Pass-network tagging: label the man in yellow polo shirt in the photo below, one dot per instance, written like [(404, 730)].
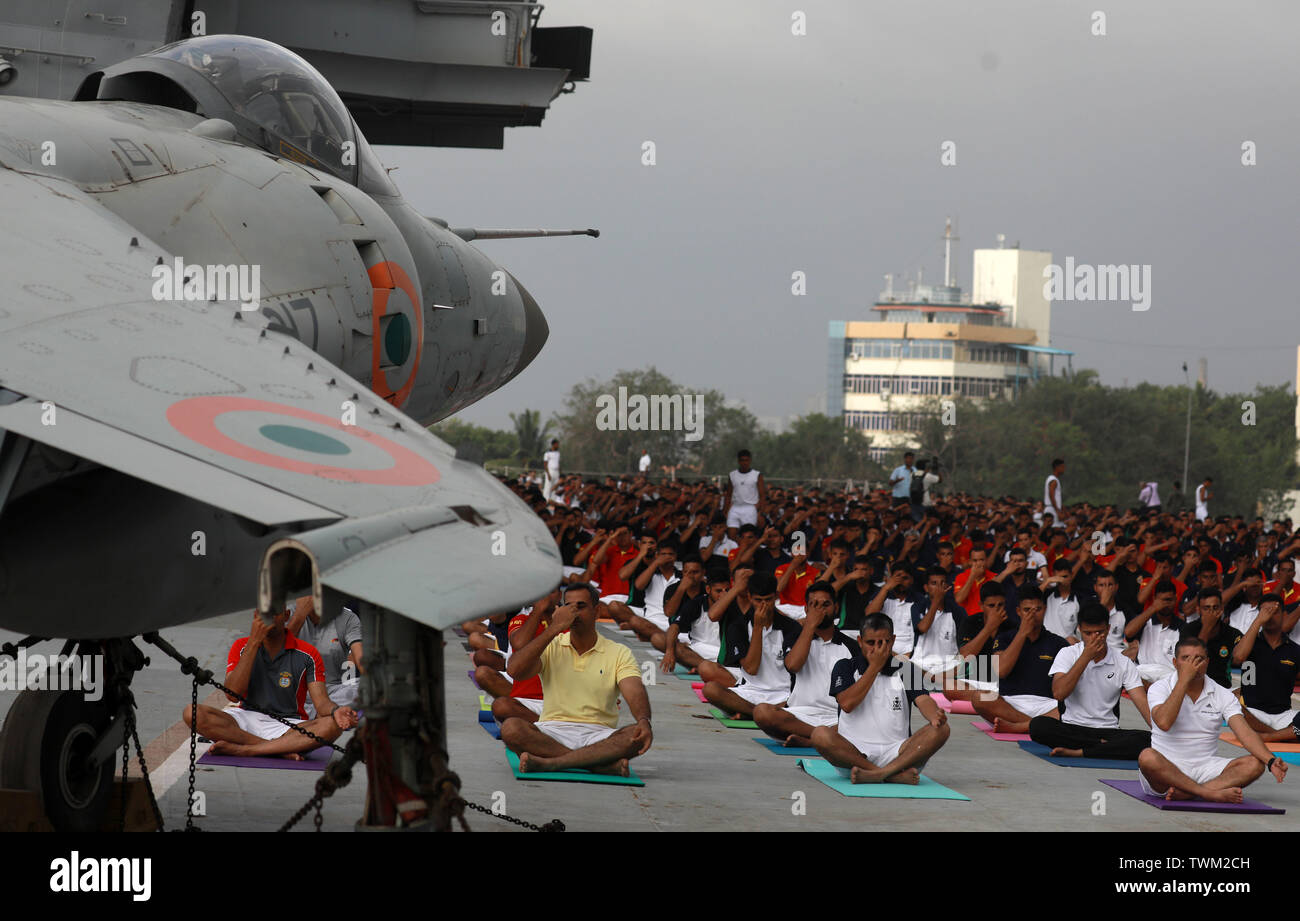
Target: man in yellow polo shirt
[(582, 675)]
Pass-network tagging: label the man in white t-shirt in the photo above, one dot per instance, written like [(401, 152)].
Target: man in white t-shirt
[(809, 662), (1053, 505), (1157, 631), (763, 677), (1203, 497), (1186, 713), (1062, 615), (1149, 495), (1088, 678), (551, 460), (644, 463), (900, 479), (743, 491)]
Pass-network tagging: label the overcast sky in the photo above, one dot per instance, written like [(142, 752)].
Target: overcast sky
[(821, 153)]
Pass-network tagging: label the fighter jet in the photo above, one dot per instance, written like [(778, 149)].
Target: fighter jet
[(223, 333)]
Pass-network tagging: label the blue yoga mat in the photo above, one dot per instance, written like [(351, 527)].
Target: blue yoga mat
[(1042, 751), (493, 729), (926, 789), (777, 748), (577, 775)]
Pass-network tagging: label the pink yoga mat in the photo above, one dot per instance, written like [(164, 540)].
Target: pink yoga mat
[(960, 707), (699, 692), (987, 729)]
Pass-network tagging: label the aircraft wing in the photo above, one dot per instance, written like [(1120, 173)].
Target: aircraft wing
[(202, 399)]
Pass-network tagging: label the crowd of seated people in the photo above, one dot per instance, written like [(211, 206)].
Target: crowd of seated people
[(828, 615)]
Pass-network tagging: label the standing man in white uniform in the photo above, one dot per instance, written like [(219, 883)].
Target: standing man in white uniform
[(1203, 497), (744, 490), (551, 460), (643, 465), (1052, 504)]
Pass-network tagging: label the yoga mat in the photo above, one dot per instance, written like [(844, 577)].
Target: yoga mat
[(731, 724), (987, 729), (1290, 758), (682, 672), (471, 679), (314, 760), (575, 776), (699, 692), (960, 707), (1275, 747), (1134, 789), (777, 748), (1042, 751), (824, 771), (493, 729)]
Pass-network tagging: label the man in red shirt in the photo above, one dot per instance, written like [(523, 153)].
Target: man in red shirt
[(792, 581), (525, 697), (966, 587), (617, 550), (1284, 584)]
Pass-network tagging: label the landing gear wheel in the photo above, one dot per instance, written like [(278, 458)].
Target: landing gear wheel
[(44, 747)]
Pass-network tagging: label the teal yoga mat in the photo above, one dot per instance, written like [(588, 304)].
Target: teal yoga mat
[(574, 776), (926, 789), (731, 724), (1042, 751), (777, 748), (681, 672)]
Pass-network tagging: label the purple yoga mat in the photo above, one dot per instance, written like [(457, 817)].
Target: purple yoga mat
[(315, 760), (1134, 789)]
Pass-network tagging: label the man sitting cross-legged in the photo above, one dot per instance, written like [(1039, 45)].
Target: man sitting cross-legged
[(1186, 711), (692, 638), (873, 740), (1088, 677), (582, 675), (1275, 659), (810, 663), (764, 679), (732, 610), (275, 672), (1024, 657), (524, 699)]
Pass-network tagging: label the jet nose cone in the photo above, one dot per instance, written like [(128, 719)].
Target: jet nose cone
[(536, 329)]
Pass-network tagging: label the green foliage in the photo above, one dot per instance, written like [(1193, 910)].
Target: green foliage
[(1112, 438), (476, 443), (530, 435)]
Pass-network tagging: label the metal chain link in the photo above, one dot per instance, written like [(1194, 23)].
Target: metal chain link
[(194, 741), (144, 769), (121, 818), (553, 825)]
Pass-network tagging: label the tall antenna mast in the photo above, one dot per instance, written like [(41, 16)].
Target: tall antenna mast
[(948, 238)]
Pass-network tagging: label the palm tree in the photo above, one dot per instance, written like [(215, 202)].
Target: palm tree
[(531, 433)]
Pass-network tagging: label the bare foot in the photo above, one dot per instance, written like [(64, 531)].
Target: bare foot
[(528, 763), (794, 741), (1226, 795), (739, 716), (862, 775), (618, 767), (222, 748), (1001, 725), (908, 776), (1059, 752), (291, 756), (1173, 793)]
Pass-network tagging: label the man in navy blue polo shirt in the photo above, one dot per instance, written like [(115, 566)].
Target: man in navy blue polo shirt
[(1024, 657), (873, 740), (275, 672)]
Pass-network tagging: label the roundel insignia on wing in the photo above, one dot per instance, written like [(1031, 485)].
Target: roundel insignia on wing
[(290, 438)]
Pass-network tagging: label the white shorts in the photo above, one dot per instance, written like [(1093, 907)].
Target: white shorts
[(1274, 720), (532, 703), (736, 672), (573, 570), (704, 650), (742, 514), (879, 755), (814, 716), (1155, 671), (574, 735), (345, 695), (1200, 772), (1031, 705), (792, 611), (608, 598), (259, 724), (760, 695), (658, 618)]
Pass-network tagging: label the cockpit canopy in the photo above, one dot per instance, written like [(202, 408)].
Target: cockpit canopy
[(275, 99)]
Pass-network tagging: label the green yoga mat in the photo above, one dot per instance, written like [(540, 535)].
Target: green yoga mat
[(577, 775), (824, 771), (731, 724)]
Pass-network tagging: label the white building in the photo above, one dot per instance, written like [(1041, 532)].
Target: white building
[(934, 342)]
